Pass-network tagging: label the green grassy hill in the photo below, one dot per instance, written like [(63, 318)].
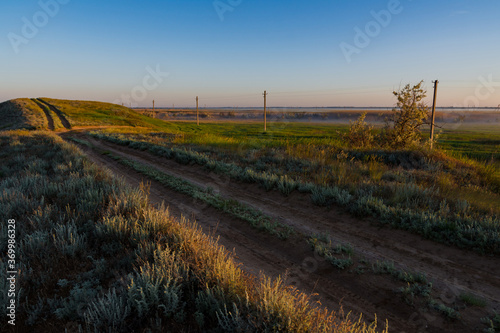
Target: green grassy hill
[(46, 113), (21, 113)]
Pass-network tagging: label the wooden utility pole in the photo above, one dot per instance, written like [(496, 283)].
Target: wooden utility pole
[(197, 115), (433, 111), (265, 115), (153, 108)]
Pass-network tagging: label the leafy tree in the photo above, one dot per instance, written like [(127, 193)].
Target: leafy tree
[(407, 118)]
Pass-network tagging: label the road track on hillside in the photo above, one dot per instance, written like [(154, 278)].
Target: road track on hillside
[(57, 112), (451, 270), (50, 120)]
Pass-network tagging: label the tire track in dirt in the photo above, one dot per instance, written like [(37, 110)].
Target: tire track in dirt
[(408, 250), (259, 252), (449, 268), (47, 114), (58, 112)]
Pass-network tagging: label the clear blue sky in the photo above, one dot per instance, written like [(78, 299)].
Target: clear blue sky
[(296, 50)]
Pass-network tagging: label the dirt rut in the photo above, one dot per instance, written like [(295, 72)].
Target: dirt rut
[(452, 271), (58, 112), (47, 114)]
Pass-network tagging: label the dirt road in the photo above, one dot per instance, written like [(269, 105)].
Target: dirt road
[(58, 113), (50, 121), (453, 272)]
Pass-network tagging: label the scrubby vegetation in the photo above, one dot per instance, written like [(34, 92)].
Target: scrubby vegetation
[(360, 133), (453, 201), (493, 323), (235, 208), (92, 255), (403, 128), (339, 255)]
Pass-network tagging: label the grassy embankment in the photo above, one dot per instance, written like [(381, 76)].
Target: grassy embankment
[(22, 113), (92, 254), (87, 113)]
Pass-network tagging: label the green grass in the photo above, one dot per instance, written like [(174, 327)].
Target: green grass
[(21, 113), (24, 113), (88, 113), (338, 256), (478, 142), (472, 300)]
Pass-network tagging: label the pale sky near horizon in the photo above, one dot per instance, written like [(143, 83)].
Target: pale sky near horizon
[(304, 53)]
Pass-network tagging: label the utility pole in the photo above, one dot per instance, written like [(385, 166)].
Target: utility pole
[(265, 116), (433, 111), (197, 115), (153, 108)]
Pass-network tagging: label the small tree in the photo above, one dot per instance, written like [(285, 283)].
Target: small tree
[(407, 118), (360, 133)]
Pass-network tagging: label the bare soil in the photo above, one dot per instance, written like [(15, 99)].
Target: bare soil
[(47, 114), (452, 271)]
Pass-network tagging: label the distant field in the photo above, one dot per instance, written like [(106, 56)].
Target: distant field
[(480, 142), (477, 141), (375, 116), (464, 133)]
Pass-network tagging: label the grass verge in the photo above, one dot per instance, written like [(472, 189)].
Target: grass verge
[(233, 207)]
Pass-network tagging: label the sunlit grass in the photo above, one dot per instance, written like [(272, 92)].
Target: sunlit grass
[(94, 256)]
